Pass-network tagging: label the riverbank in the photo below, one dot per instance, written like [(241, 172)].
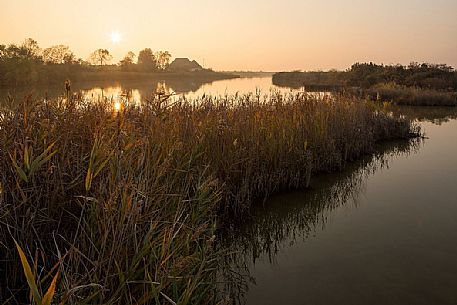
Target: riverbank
[(312, 81), (126, 199), (57, 74), (204, 75), (371, 226), (146, 83), (415, 85), (250, 74), (293, 217)]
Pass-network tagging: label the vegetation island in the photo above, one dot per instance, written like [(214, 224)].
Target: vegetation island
[(416, 84)]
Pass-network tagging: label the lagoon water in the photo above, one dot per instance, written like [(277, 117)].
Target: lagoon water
[(144, 89), (384, 231)]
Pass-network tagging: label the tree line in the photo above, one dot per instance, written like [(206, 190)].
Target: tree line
[(421, 75), (367, 75), (28, 63)]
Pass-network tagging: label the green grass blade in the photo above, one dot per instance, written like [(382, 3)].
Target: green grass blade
[(19, 170)]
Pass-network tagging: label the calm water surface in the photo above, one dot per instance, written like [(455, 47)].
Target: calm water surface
[(138, 90), (382, 232)]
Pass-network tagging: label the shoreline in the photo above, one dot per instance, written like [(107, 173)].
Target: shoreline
[(51, 77)]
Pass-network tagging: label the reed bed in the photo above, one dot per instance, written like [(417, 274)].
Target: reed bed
[(412, 96), (124, 201)]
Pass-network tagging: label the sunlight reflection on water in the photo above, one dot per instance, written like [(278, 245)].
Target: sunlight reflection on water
[(136, 91)]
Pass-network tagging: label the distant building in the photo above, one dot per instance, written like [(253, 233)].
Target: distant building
[(184, 65)]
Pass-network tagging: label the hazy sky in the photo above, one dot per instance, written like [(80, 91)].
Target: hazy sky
[(245, 34)]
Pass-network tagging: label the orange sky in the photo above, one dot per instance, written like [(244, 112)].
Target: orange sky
[(245, 34)]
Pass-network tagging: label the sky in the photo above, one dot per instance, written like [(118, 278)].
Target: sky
[(254, 35)]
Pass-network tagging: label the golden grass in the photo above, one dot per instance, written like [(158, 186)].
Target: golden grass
[(412, 96), (128, 202)]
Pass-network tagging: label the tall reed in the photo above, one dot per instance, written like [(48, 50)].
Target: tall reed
[(413, 96), (126, 200)]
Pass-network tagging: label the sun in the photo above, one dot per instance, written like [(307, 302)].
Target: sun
[(115, 37)]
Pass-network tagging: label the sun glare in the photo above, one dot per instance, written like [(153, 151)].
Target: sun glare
[(117, 106), (115, 37)]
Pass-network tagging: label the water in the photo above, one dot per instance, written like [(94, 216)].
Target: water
[(138, 90), (382, 232)]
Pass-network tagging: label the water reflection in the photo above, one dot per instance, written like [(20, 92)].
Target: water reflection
[(436, 115), (135, 91), (298, 216)]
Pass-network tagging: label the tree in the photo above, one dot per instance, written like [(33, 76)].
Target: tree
[(163, 59), (12, 51), (19, 64), (146, 60), (82, 62), (127, 62), (2, 51), (59, 54), (69, 58), (100, 56), (30, 49)]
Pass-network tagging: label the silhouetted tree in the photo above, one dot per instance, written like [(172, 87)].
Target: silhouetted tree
[(422, 75), (163, 59), (127, 62), (146, 60), (59, 54), (100, 56), (30, 49), (2, 50)]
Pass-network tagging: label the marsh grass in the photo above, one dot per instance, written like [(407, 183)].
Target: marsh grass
[(402, 95), (126, 201)]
